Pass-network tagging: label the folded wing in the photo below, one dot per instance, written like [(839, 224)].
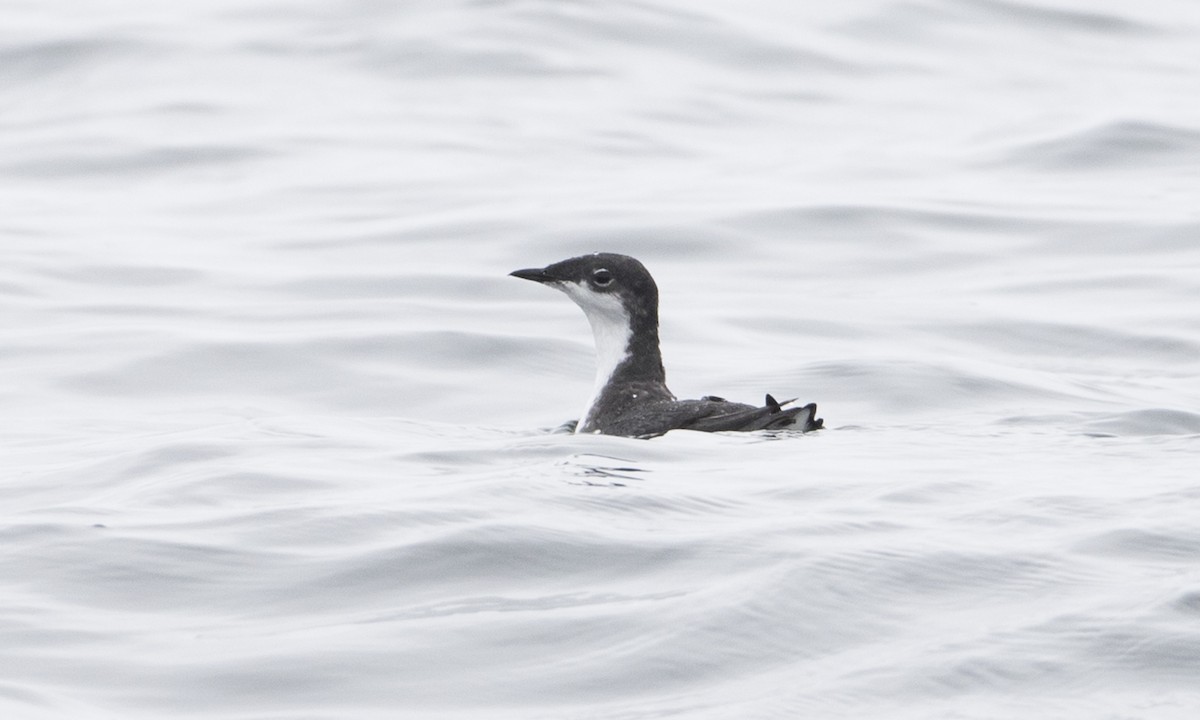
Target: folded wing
[(713, 414)]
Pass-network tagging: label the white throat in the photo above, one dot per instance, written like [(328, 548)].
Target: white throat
[(611, 329)]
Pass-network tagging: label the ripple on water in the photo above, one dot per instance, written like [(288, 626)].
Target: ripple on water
[(1116, 145), (1152, 421), (1166, 546)]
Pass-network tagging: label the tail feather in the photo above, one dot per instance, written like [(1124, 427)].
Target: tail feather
[(805, 417), (801, 418)]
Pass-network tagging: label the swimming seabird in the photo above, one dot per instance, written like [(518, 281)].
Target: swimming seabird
[(630, 397)]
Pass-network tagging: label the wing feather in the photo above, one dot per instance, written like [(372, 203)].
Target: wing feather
[(711, 414)]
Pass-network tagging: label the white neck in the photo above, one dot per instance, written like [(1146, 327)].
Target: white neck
[(611, 330)]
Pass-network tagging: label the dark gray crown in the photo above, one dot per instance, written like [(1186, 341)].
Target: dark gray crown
[(605, 273), (627, 278)]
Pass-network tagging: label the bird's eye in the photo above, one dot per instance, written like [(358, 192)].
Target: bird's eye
[(602, 277)]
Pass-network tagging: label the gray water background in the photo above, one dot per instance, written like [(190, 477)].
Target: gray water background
[(273, 439)]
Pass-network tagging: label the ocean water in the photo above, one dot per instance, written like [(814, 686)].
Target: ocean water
[(276, 430)]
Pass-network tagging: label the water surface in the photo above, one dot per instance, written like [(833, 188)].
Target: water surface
[(276, 421)]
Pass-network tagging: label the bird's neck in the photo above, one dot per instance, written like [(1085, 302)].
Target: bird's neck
[(626, 352), (627, 349)]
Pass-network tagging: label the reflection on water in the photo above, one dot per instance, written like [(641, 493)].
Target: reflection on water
[(598, 470)]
